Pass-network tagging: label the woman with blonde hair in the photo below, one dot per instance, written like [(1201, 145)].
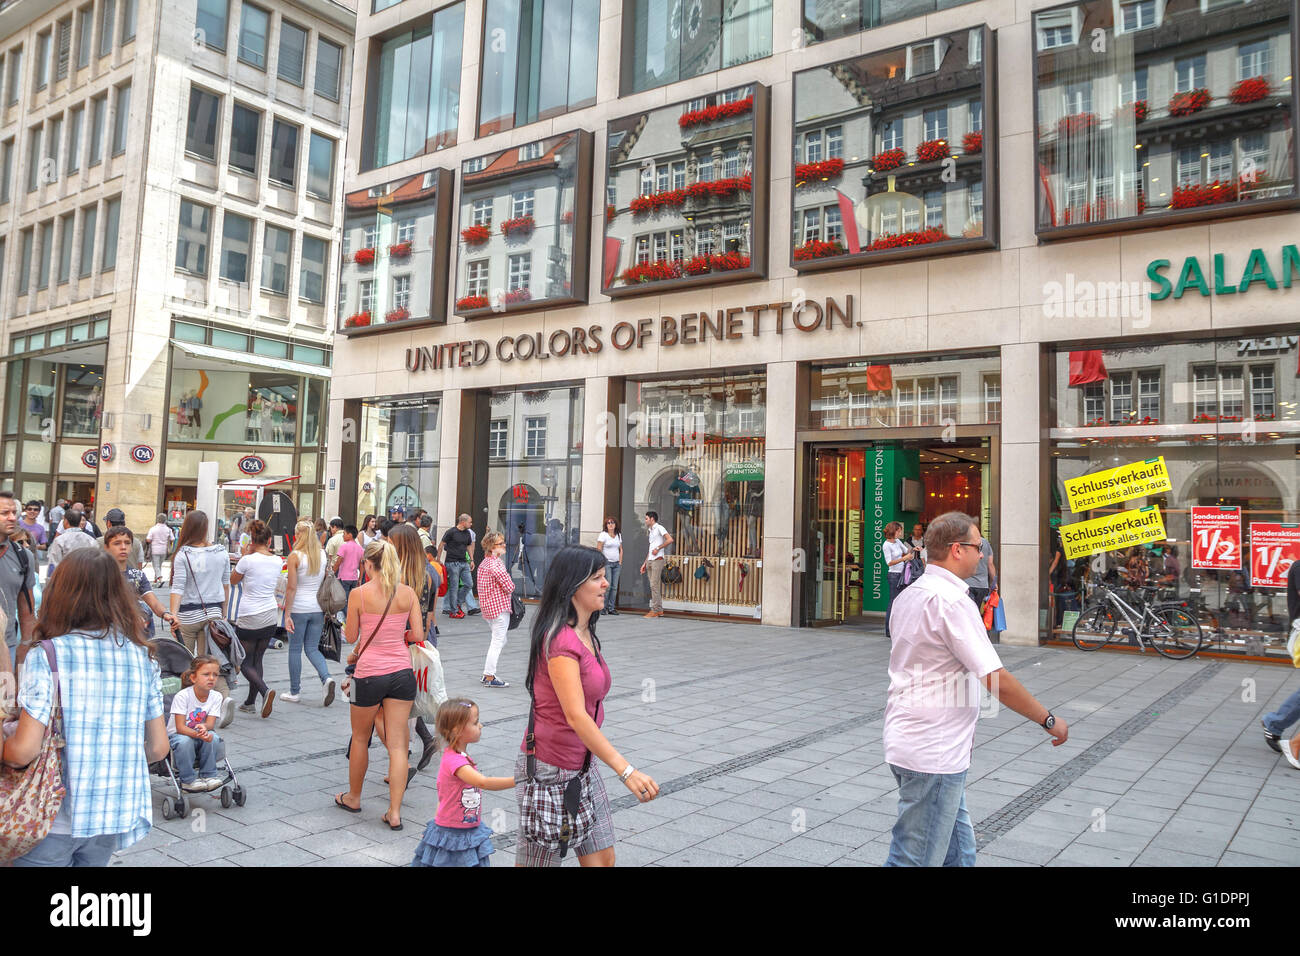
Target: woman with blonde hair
[(304, 619), (384, 616), (420, 577)]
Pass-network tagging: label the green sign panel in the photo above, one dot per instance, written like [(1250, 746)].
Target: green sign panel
[(743, 471), (1193, 275)]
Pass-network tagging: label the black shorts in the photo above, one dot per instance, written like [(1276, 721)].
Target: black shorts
[(370, 691)]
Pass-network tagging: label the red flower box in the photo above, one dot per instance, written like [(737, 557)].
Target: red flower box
[(826, 169), (1186, 197), (720, 187), (1138, 109), (932, 150), (652, 272), (518, 295), (476, 235), (397, 315), (676, 269), (972, 142), (889, 159), (522, 226), (1185, 104), (470, 302), (1249, 90), (364, 257), (711, 113), (728, 262), (399, 250), (934, 234), (358, 321), (818, 249), (1076, 124), (656, 201), (610, 212)]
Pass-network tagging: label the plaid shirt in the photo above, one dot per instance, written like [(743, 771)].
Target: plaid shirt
[(494, 588), (109, 689)]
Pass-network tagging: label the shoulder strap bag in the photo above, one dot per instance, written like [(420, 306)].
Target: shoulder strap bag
[(355, 656), (30, 798), (330, 594), (557, 813), (221, 631)]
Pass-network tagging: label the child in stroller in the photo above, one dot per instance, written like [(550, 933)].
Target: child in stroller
[(193, 707)]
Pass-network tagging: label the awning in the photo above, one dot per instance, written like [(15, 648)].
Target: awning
[(262, 363)]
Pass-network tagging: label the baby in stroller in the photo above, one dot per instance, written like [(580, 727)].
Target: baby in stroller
[(194, 707)]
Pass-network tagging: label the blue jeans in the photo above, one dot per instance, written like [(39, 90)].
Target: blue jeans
[(186, 749), (611, 573), (933, 826), (306, 637), (1286, 715), (895, 588), (451, 603), (62, 849), (467, 581)]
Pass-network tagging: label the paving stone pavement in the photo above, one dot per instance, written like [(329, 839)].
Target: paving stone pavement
[(766, 744)]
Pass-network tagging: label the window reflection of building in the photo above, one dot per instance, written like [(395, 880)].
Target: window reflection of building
[(695, 454), (399, 461), (924, 392)]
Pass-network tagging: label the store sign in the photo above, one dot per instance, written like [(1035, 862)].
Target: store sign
[(251, 465), (1216, 538), (1114, 485), (1113, 532), (743, 471), (90, 458), (106, 451), (142, 453), (1191, 274), (689, 328), (1273, 549)]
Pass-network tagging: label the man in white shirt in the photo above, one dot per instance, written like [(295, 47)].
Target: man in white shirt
[(72, 537), (940, 651), (653, 566)]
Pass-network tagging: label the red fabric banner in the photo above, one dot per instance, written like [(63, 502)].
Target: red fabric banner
[(1086, 367), (849, 222), (612, 249), (880, 378)]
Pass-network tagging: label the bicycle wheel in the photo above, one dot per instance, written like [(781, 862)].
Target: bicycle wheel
[(1095, 627), (1176, 634)]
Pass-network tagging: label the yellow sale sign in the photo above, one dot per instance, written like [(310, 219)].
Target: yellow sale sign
[(1113, 532), (1114, 485)]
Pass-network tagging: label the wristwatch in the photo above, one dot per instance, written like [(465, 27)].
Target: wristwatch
[(1049, 722)]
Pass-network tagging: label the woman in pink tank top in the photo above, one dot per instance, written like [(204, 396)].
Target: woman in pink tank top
[(382, 614)]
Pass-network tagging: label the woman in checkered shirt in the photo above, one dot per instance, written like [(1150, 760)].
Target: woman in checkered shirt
[(495, 586)]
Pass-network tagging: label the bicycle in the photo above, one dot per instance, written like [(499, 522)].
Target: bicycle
[(1169, 628)]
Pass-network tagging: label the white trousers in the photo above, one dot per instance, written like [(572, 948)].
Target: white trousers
[(500, 625)]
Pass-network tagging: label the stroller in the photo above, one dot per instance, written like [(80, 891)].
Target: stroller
[(174, 660)]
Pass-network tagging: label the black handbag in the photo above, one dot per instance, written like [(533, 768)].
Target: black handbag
[(331, 644), (516, 612)]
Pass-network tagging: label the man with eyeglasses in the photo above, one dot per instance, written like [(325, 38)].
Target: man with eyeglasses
[(30, 522), (985, 577), (939, 656)]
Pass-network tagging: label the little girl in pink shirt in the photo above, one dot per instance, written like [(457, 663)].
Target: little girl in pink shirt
[(456, 836)]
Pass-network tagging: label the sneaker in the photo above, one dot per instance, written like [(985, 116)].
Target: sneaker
[(493, 682), (655, 614), (475, 610), (328, 693), (1270, 738), (291, 698), (197, 785), (457, 616), (1290, 757), (227, 717), (212, 783), (266, 705), (277, 645), (246, 708), (613, 611)]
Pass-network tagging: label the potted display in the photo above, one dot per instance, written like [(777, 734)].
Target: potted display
[(932, 150), (921, 237), (818, 249), (476, 235), (471, 302), (1185, 104), (518, 228), (358, 321), (972, 142), (1249, 90), (827, 169), (397, 315), (712, 113), (364, 257), (889, 159), (399, 250)]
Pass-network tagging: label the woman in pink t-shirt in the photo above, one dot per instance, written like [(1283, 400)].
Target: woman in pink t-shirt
[(382, 614), (569, 679)]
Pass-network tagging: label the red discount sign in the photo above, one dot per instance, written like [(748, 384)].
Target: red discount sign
[(1216, 538), (1273, 549)]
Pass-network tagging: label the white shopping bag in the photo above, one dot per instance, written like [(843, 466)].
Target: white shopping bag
[(430, 689)]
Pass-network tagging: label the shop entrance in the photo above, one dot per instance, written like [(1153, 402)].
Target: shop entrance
[(855, 490), (73, 490)]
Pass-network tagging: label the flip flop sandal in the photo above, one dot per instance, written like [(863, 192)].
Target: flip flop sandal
[(338, 802), (390, 826)]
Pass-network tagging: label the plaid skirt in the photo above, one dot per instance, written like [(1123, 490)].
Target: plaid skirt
[(601, 836)]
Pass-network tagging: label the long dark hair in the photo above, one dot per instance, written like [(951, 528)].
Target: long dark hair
[(194, 531), (87, 592), (570, 569)]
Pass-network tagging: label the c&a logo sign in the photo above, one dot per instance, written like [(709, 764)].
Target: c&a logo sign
[(251, 465), (142, 453)]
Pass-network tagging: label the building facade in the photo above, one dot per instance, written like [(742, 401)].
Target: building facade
[(170, 194), (851, 263)]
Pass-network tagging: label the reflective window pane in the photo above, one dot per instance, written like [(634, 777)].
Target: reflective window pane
[(253, 25), (417, 99), (192, 238), (236, 248), (201, 128), (276, 255), (312, 276), (293, 53), (244, 126)]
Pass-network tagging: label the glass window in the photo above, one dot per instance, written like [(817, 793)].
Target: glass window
[(201, 130), (539, 60), (368, 296), (229, 340), (107, 18), (391, 478), (245, 124), (401, 292), (6, 169), (520, 271), (1189, 129), (43, 43), (312, 278), (329, 68), (417, 99), (52, 143), (75, 118), (236, 247), (232, 406), (34, 157), (521, 203), (15, 75), (83, 400), (498, 436), (312, 356), (121, 116), (284, 153), (931, 391), (192, 238), (481, 214), (665, 41), (477, 282), (46, 241), (87, 258), (112, 214), (535, 437), (85, 29), (26, 239), (936, 123), (293, 53), (253, 25), (128, 19), (276, 256), (270, 347), (1263, 393), (98, 109), (65, 246), (320, 166)]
